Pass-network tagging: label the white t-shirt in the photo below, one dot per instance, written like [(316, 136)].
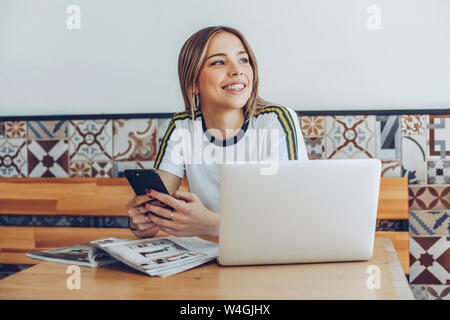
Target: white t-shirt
[(189, 148)]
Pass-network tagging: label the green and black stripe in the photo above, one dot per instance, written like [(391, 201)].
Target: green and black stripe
[(288, 126)]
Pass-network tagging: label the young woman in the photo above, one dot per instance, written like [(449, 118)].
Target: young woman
[(223, 121)]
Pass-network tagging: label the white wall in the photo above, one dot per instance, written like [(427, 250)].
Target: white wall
[(313, 55)]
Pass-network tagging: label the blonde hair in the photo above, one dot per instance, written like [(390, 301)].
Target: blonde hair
[(190, 61)]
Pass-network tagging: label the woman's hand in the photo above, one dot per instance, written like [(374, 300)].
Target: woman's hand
[(188, 218), (139, 221)]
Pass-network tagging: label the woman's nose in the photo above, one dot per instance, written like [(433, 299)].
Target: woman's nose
[(235, 69)]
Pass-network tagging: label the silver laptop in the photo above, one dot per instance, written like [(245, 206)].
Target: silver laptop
[(305, 211)]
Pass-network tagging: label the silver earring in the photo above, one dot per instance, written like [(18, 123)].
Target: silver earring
[(196, 101)]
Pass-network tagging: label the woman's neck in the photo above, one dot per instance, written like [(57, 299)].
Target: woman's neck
[(227, 122)]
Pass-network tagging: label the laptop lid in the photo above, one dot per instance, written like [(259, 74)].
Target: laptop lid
[(305, 211)]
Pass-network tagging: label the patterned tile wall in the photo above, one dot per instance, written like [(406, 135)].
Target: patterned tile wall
[(413, 146)]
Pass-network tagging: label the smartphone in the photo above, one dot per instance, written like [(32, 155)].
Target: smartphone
[(143, 180)]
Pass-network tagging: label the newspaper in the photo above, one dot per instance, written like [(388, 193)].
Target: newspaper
[(155, 256)]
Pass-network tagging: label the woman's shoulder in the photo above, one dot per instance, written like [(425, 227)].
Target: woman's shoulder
[(184, 115), (275, 112)]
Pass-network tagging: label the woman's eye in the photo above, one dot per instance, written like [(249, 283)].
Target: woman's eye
[(244, 60), (217, 62)]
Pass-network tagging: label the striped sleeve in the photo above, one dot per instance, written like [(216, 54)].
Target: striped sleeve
[(170, 157), (291, 144)]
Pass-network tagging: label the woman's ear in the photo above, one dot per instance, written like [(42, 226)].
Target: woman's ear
[(196, 90)]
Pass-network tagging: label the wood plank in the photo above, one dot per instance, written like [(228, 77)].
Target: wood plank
[(28, 206), (66, 196), (16, 237), (400, 241), (393, 198), (16, 258), (55, 237)]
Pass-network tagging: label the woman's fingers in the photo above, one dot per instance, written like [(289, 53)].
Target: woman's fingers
[(163, 212), (142, 222), (140, 219), (138, 200), (161, 222), (169, 200)]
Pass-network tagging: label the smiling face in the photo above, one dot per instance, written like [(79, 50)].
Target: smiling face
[(226, 78)]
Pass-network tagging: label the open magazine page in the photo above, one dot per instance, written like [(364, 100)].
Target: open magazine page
[(179, 268), (197, 244), (153, 256), (85, 254), (211, 250)]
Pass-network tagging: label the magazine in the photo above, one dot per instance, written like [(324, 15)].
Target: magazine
[(155, 256)]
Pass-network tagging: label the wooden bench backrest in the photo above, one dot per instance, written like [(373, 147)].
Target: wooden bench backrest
[(108, 196)]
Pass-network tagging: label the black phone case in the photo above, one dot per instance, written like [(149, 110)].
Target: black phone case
[(145, 179), (141, 180)]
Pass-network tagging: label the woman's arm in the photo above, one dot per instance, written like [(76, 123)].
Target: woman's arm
[(171, 181)]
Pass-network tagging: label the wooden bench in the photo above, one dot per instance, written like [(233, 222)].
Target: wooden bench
[(107, 197)]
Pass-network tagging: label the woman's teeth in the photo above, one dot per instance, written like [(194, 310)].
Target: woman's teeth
[(234, 87)]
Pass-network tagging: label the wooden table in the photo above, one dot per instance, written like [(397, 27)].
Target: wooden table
[(347, 280)]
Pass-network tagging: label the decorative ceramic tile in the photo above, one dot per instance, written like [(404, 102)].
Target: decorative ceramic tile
[(312, 126), (413, 124), (48, 158), (425, 223), (80, 169), (163, 124), (47, 129), (438, 293), (102, 169), (390, 168), (2, 130), (13, 158), (438, 172), (419, 292), (350, 137), (413, 159), (388, 137), (439, 135), (315, 147), (429, 260), (135, 140), (429, 198), (15, 129), (90, 140)]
